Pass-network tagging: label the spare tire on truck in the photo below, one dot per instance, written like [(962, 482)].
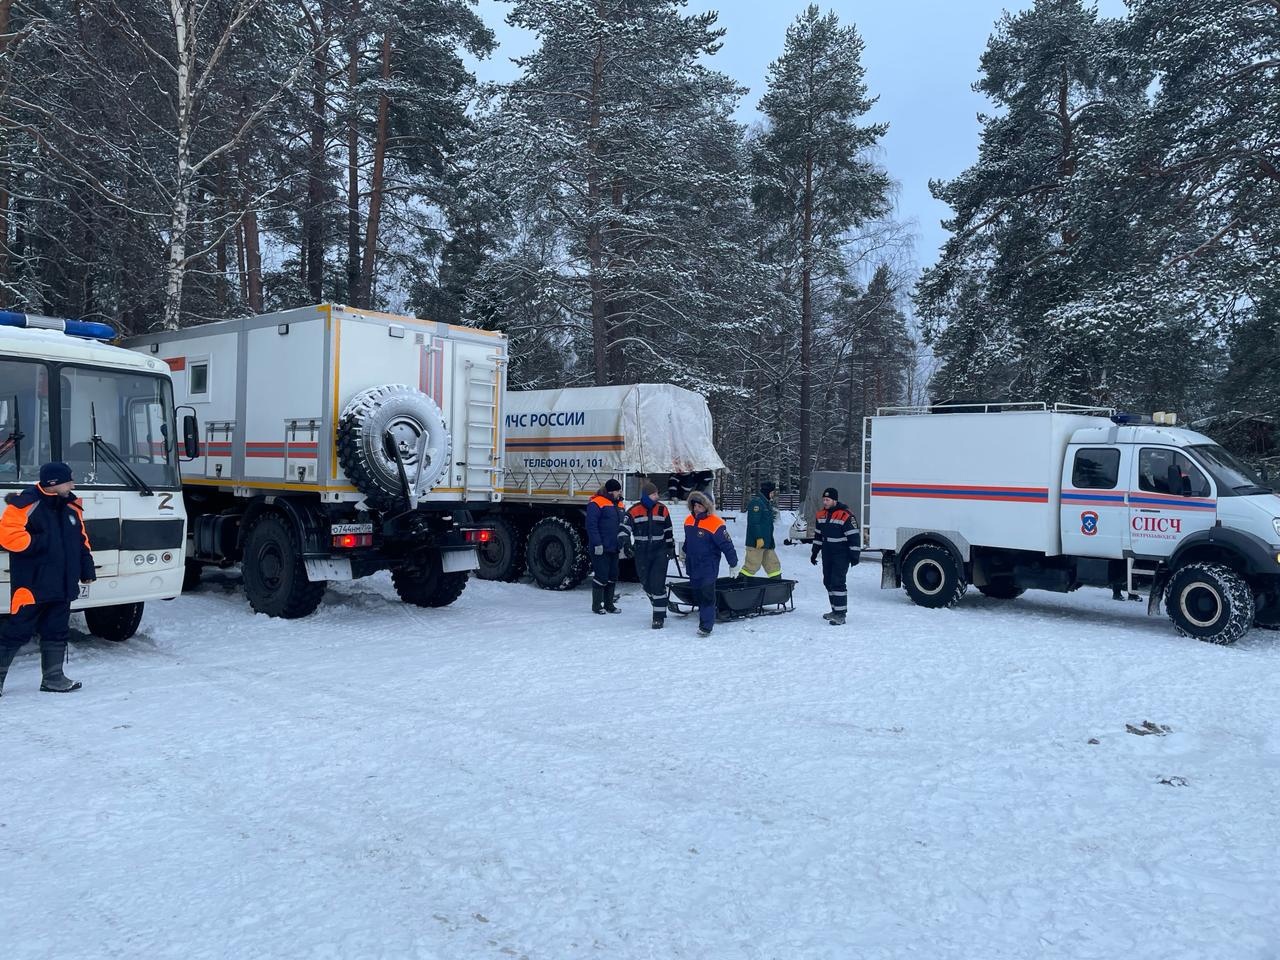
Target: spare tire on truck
[(386, 426)]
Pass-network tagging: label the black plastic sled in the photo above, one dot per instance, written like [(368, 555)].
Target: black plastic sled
[(736, 597)]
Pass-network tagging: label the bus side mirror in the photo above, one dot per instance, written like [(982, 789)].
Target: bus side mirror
[(190, 437)]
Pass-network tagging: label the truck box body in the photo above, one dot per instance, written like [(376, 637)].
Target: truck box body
[(562, 443), (269, 392), (992, 478)]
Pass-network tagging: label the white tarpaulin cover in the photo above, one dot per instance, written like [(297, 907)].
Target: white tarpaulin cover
[(637, 428)]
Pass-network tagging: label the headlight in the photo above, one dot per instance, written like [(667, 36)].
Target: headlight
[(1276, 523)]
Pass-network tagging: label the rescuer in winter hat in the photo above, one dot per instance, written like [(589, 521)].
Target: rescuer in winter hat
[(837, 540), (42, 528), (604, 539), (54, 473)]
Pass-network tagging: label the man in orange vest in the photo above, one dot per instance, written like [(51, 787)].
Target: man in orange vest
[(604, 531), (49, 556)]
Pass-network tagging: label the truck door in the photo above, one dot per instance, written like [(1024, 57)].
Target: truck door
[(1169, 498), (1094, 514)]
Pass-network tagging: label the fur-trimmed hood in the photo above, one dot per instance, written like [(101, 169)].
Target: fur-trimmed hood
[(703, 498)]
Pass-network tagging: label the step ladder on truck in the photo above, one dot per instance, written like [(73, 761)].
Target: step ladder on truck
[(1012, 497), (338, 442), (67, 394)]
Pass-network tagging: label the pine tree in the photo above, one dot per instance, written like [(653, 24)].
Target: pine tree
[(1011, 308), (816, 181), (617, 172)]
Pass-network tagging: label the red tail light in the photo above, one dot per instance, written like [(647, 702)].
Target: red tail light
[(477, 536), (347, 541)]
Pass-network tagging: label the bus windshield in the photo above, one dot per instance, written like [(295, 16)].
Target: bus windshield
[(132, 412)]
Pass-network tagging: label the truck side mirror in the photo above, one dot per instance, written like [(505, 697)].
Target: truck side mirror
[(190, 437)]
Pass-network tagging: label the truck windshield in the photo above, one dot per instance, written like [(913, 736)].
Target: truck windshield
[(24, 421), (133, 413), (1228, 472)]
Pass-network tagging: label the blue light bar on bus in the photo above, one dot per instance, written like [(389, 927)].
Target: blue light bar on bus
[(72, 328)]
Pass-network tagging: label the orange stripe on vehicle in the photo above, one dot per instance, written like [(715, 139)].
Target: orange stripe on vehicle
[(22, 597)]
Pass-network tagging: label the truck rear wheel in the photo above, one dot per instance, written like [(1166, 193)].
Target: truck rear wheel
[(556, 554), (425, 584), (1209, 602), (933, 577), (275, 578), (116, 623), (1003, 589), (502, 558), (384, 426)]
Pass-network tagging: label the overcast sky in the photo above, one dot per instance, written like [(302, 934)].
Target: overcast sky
[(921, 59)]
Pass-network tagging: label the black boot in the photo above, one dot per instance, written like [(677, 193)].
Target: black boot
[(609, 605), (7, 653), (658, 621), (597, 598), (52, 657)]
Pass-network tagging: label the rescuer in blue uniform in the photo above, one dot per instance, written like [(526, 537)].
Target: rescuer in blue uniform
[(42, 527), (837, 538), (604, 531), (705, 541), (647, 525)]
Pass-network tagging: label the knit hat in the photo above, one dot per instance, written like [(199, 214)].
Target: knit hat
[(768, 487), (52, 474), (611, 485), (832, 493), (650, 490)]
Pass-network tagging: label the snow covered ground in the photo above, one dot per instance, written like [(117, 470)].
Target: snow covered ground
[(515, 777)]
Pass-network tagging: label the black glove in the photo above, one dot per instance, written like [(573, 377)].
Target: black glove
[(813, 557)]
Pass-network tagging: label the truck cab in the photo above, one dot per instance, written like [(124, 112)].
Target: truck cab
[(1163, 498), (1148, 491)]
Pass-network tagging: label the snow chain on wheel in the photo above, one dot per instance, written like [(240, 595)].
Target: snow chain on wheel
[(425, 584), (502, 558), (1210, 602), (556, 554), (932, 576), (382, 421)]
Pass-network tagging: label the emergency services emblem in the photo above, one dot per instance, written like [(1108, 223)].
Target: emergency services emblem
[(1089, 523)]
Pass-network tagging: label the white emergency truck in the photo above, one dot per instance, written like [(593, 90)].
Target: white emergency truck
[(337, 442), (562, 445), (1017, 497), (65, 394)]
